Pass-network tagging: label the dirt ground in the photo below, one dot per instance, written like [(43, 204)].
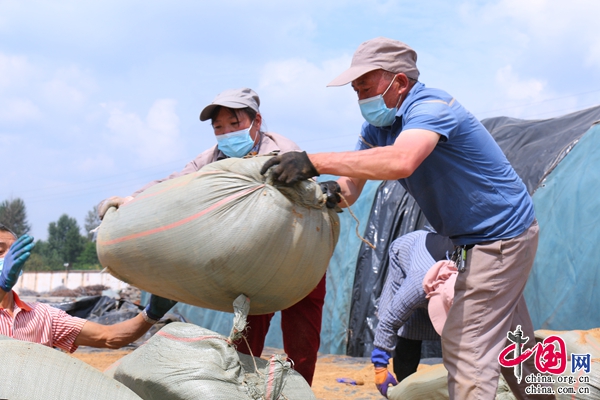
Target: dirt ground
[(325, 385)]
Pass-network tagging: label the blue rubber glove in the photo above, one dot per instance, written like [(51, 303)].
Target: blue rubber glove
[(383, 378), (158, 306), (14, 260)]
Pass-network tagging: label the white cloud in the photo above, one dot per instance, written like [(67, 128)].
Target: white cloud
[(294, 95), (14, 70), (553, 27), (18, 110), (155, 138), (300, 86), (516, 88), (592, 59), (61, 95), (6, 141), (99, 162), (69, 88), (545, 18)]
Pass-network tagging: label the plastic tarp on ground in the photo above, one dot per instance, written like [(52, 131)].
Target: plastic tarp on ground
[(559, 160), (340, 278), (394, 213), (566, 206), (534, 148), (562, 291)]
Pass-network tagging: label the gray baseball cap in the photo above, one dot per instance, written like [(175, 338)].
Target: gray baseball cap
[(380, 53), (232, 98)]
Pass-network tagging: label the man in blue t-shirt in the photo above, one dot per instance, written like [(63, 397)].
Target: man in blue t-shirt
[(465, 186)]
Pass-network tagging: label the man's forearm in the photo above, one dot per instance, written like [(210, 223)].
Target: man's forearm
[(112, 336), (351, 189), (380, 163)]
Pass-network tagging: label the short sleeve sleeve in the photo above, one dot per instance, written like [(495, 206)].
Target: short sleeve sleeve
[(65, 329), (436, 116)]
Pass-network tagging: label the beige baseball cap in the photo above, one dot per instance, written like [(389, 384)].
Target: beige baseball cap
[(380, 53), (232, 98)]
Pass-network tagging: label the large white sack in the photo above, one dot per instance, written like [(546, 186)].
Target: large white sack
[(185, 362), (207, 237), (32, 371)]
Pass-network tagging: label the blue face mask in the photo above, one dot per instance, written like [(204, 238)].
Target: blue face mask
[(376, 112), (236, 144)]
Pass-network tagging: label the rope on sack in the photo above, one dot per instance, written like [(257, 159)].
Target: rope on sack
[(357, 223), (256, 370)]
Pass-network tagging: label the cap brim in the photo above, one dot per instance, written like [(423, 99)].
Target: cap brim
[(437, 312), (351, 74), (208, 110), (440, 302)]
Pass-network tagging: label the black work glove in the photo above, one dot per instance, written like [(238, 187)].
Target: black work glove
[(158, 306), (332, 190), (290, 167)]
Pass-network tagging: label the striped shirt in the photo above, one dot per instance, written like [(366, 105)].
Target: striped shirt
[(41, 323), (403, 302)]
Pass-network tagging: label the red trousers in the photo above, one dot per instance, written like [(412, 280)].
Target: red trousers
[(301, 327)]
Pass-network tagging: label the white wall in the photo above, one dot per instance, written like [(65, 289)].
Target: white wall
[(46, 281)]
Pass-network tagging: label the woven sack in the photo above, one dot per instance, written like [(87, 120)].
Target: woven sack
[(184, 362), (209, 236), (33, 371)]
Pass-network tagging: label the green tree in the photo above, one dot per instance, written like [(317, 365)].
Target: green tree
[(65, 238), (92, 221), (14, 216), (88, 259), (43, 258)]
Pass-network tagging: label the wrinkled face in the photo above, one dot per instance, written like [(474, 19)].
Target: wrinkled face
[(6, 240), (370, 84), (230, 120), (376, 82)]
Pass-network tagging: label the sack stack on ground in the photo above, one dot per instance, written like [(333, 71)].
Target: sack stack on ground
[(34, 372), (185, 361), (207, 237)]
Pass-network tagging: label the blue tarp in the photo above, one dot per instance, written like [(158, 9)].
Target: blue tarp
[(563, 289)]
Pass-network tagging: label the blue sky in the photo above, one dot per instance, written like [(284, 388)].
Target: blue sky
[(99, 98)]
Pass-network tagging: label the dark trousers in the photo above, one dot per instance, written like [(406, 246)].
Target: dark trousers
[(407, 357), (301, 327)]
